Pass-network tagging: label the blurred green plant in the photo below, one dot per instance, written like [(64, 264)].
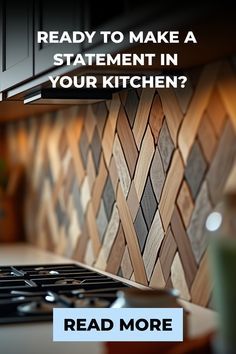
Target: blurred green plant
[(3, 174)]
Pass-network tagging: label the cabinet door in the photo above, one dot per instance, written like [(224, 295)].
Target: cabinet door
[(55, 16), (16, 43)]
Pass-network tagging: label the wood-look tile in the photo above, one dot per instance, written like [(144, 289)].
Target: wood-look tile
[(101, 221), (172, 112), (156, 117), (184, 96), (202, 285), (167, 253), (108, 197), (85, 194), (157, 175), (91, 172), (84, 146), (121, 166), (222, 163), (165, 145), (101, 113), (109, 130), (196, 227), (127, 141), (157, 279), (92, 230), (184, 247), (116, 254), (109, 238), (195, 169), (99, 185), (170, 190), (153, 243), (126, 265), (144, 161), (140, 229), (178, 278), (131, 239), (207, 138), (148, 203), (132, 201), (80, 248), (113, 174), (131, 106), (89, 123), (142, 115), (196, 109), (76, 156), (227, 89), (185, 203), (96, 149), (89, 255)]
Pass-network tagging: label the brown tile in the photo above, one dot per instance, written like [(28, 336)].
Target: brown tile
[(196, 230), (184, 247), (156, 117), (157, 175), (142, 115), (167, 253), (131, 239), (207, 138), (116, 254), (127, 141), (166, 146), (195, 169), (172, 112), (216, 112), (171, 187), (185, 203)]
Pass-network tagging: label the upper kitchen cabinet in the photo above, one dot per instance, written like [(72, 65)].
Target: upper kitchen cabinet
[(16, 43), (55, 16)]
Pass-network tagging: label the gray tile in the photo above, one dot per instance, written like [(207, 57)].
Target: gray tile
[(84, 146), (157, 174), (148, 203), (77, 202), (166, 146), (96, 149), (131, 106), (196, 230), (101, 220), (141, 229), (101, 113), (195, 169), (108, 197)]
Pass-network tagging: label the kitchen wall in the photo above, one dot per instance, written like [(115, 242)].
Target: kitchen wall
[(126, 185)]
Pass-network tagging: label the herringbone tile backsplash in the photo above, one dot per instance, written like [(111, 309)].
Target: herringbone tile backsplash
[(125, 185)]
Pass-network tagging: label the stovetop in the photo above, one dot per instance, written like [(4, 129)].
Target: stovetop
[(29, 293)]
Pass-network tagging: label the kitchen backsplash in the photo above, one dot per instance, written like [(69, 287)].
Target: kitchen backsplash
[(125, 185)]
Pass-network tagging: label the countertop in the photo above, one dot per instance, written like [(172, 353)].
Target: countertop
[(37, 338)]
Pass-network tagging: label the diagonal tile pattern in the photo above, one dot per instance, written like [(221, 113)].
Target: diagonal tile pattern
[(126, 185)]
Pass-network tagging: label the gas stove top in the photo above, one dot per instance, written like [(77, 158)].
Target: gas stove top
[(29, 293)]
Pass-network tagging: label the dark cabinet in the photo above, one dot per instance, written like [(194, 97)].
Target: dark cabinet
[(16, 43), (55, 16)]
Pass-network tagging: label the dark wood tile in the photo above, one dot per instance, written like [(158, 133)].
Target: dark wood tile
[(148, 203), (140, 229), (131, 106), (195, 169), (184, 248), (108, 197), (166, 146), (157, 175), (167, 253)]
